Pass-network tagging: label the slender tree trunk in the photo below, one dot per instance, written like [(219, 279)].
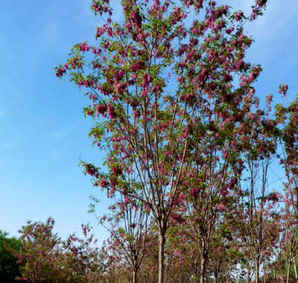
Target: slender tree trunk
[(275, 276), (288, 272), (215, 277), (248, 274), (257, 263), (295, 271), (134, 276), (203, 261), (161, 257), (203, 268)]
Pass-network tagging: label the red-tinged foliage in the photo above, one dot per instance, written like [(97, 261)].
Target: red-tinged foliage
[(46, 258)]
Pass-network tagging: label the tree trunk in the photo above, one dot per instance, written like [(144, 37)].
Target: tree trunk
[(248, 274), (161, 257), (257, 263), (288, 272), (202, 269), (295, 269), (215, 277), (134, 276)]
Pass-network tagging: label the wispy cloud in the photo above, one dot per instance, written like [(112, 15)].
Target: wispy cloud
[(276, 17)]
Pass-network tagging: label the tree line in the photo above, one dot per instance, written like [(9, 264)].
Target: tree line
[(189, 149)]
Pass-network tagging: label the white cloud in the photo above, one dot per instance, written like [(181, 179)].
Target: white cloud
[(276, 17)]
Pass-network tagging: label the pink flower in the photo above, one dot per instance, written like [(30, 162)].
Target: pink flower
[(224, 154), (220, 207), (194, 192), (167, 153), (239, 64), (103, 183), (100, 31), (106, 45), (149, 78), (238, 16), (90, 169), (144, 92), (84, 47), (230, 30), (269, 99), (60, 71), (116, 171), (137, 66), (90, 112), (119, 75), (101, 109), (111, 112), (178, 218), (155, 88), (140, 37), (136, 113), (283, 89)]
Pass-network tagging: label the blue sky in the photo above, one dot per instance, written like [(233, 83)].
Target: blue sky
[(43, 134)]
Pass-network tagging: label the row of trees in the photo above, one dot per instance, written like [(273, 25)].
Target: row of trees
[(40, 255), (189, 151), (188, 147)]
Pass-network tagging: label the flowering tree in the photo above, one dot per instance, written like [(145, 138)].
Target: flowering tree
[(40, 252), (128, 225), (289, 143), (81, 258), (173, 99), (47, 258)]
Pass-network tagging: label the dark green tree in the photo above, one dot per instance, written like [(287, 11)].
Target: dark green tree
[(9, 267)]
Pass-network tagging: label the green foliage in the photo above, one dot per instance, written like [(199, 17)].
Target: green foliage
[(9, 268)]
